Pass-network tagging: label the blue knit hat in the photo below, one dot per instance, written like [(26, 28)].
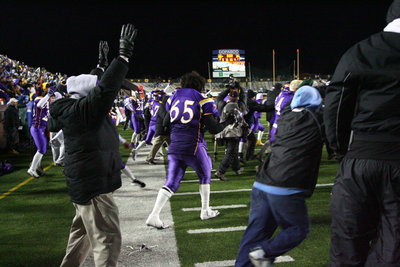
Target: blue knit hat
[(307, 97)]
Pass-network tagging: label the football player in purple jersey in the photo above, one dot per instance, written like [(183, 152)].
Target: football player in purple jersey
[(189, 113), (38, 130), (257, 126), (137, 118), (155, 105)]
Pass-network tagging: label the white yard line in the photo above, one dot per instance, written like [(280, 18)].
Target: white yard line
[(217, 230), (232, 262), (218, 207)]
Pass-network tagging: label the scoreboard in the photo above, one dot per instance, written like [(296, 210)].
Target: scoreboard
[(228, 61)]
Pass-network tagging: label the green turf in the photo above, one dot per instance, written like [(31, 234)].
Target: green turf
[(36, 218), (314, 251)]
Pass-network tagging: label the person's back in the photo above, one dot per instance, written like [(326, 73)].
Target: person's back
[(187, 132), (92, 161), (362, 126)]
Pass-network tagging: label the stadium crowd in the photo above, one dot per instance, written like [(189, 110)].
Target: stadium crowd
[(82, 111)]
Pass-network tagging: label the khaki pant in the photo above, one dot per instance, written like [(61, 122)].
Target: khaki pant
[(157, 143), (96, 226)]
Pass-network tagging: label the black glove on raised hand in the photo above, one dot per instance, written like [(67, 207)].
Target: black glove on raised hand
[(103, 54), (126, 42)]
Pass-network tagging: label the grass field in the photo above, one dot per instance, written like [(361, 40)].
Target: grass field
[(36, 217)]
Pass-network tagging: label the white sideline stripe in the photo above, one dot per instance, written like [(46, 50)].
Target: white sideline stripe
[(324, 185), (196, 181), (217, 230), (232, 191), (232, 262), (218, 207)]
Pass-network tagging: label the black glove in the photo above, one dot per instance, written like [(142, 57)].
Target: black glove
[(126, 42), (103, 53)]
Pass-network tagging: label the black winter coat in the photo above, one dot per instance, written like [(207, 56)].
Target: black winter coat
[(92, 160), (364, 94), (11, 119), (296, 153)]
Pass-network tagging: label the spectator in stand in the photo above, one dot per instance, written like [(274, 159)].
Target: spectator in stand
[(11, 124)]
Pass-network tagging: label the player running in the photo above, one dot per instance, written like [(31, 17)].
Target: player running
[(189, 112)]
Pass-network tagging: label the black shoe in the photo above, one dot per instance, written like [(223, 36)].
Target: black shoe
[(40, 171), (136, 181), (221, 176), (151, 162)]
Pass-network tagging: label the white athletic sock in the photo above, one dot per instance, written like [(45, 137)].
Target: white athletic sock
[(204, 190), (37, 159), (260, 135), (133, 139), (128, 173), (140, 145), (162, 198), (241, 144)]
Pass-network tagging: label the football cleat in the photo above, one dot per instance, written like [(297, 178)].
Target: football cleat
[(208, 214), (33, 173), (154, 221)]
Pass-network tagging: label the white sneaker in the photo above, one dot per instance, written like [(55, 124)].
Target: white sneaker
[(154, 221), (257, 257), (33, 173), (208, 214)]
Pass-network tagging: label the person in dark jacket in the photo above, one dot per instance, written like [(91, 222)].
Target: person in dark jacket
[(271, 96), (288, 175), (92, 160), (11, 124), (162, 133), (362, 119), (253, 106), (231, 135)]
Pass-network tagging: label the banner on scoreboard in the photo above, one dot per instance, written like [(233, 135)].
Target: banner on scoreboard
[(228, 61)]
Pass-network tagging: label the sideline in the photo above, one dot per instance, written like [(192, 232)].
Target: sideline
[(143, 246), (23, 183)]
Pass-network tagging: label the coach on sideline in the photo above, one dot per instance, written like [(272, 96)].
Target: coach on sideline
[(92, 159)]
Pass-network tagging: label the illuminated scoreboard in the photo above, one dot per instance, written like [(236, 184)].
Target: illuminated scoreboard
[(228, 61)]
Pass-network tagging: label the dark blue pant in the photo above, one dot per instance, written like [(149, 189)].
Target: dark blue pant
[(267, 212)]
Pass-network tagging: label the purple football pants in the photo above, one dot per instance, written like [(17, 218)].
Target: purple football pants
[(39, 136), (177, 163)]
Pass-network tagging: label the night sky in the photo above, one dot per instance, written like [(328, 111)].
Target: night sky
[(177, 37)]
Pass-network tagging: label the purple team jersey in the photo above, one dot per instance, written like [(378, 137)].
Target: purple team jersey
[(137, 105), (186, 108), (153, 111), (282, 100), (40, 115)]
